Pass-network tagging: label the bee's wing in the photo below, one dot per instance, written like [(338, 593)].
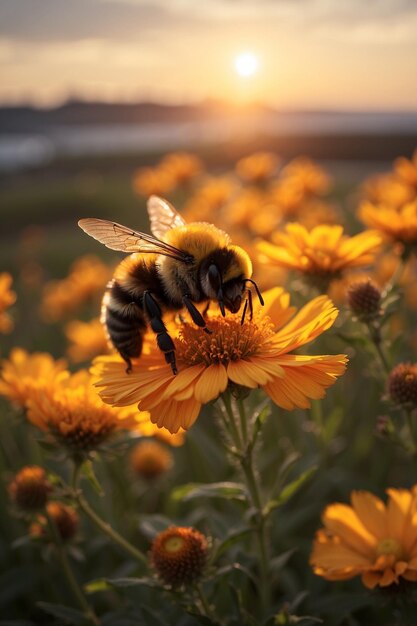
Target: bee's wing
[(118, 237), (162, 216)]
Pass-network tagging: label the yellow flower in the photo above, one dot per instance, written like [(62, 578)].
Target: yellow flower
[(71, 410), (88, 340), (324, 252), (7, 298), (22, 372), (389, 190), (153, 180), (212, 195), (182, 166), (257, 167), (87, 278), (311, 177), (370, 539), (255, 354), (398, 224)]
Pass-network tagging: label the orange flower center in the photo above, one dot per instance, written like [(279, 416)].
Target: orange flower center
[(174, 544), (229, 340), (389, 547)]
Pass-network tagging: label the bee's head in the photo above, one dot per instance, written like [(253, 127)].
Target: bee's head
[(224, 275)]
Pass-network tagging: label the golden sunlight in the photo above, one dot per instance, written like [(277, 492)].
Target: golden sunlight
[(246, 64)]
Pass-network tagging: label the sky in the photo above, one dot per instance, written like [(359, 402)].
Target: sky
[(312, 54)]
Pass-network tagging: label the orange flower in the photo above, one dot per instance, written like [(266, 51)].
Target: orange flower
[(149, 459), (255, 354), (370, 539), (323, 252), (7, 298), (148, 181), (398, 224), (30, 488), (388, 189), (71, 410), (87, 278), (257, 167), (179, 555), (88, 340), (311, 177), (182, 166), (22, 372)]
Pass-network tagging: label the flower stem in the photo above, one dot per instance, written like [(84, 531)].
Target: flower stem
[(207, 610), (375, 335), (105, 528), (253, 487), (72, 581)]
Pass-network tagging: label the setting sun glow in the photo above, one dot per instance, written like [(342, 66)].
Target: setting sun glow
[(246, 64)]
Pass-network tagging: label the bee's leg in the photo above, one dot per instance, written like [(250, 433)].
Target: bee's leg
[(196, 316), (164, 341)]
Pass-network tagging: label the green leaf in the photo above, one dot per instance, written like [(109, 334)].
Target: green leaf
[(227, 490), (278, 562), (87, 470), (69, 615), (104, 584), (289, 490), (260, 418), (152, 525)]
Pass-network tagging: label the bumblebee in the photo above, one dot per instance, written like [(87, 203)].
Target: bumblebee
[(178, 266)]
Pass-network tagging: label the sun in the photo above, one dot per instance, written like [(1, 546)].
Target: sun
[(246, 64)]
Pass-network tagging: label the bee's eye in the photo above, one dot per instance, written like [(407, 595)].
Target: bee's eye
[(214, 277)]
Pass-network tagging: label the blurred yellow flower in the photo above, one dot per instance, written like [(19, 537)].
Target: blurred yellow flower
[(22, 372), (258, 167), (149, 459), (87, 278), (212, 195), (7, 298), (398, 224), (253, 354), (88, 339), (71, 410), (312, 179), (148, 181), (388, 189), (323, 253), (182, 167), (370, 539)]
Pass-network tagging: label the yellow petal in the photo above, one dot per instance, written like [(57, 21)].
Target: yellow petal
[(247, 373), (342, 521), (211, 383), (372, 513)]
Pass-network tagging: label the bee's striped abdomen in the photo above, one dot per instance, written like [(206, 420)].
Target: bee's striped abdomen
[(124, 320)]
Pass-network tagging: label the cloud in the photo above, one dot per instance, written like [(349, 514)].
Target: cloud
[(151, 21), (74, 20)]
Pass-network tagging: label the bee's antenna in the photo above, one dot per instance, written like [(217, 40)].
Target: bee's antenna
[(258, 293), (248, 302), (245, 306)]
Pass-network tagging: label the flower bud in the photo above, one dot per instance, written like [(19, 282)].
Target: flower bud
[(30, 488), (402, 384), (65, 519), (179, 555), (364, 299)]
